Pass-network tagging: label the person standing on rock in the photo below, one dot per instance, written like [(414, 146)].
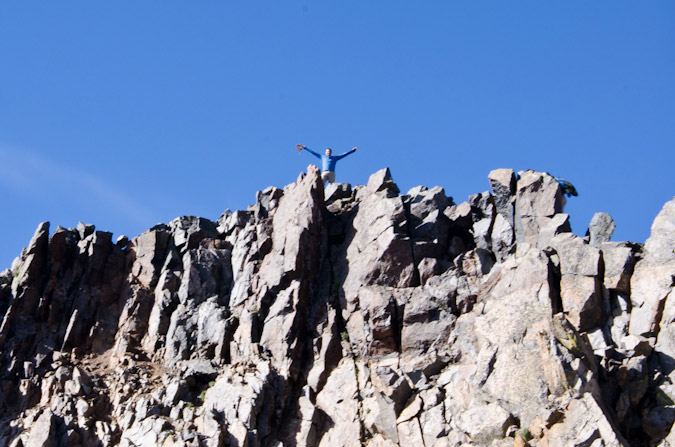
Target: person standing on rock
[(328, 162)]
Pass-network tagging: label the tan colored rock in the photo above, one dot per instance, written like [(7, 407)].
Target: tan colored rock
[(549, 228), (339, 401), (619, 259), (382, 181), (584, 422), (427, 321), (380, 250), (410, 433), (379, 417), (519, 441), (507, 359), (393, 384), (665, 342), (538, 194), (538, 198), (149, 249), (411, 410), (379, 310), (433, 425), (580, 280), (380, 441), (652, 280), (483, 422), (42, 432)]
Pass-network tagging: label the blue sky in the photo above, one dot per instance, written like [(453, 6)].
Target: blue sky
[(127, 114)]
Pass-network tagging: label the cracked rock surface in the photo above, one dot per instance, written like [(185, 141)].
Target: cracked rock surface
[(351, 316)]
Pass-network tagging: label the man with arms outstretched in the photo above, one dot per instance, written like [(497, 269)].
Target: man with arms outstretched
[(328, 162)]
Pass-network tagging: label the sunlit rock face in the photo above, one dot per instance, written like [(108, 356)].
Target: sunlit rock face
[(350, 316)]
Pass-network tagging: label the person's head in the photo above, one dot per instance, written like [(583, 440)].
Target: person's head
[(328, 152)]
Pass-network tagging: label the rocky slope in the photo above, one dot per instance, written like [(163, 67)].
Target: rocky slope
[(345, 317)]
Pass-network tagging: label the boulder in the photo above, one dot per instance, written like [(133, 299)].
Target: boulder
[(600, 229)]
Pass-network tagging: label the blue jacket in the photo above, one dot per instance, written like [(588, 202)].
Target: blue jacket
[(328, 163)]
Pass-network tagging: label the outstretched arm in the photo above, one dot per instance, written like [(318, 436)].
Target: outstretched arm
[(301, 147), (337, 157)]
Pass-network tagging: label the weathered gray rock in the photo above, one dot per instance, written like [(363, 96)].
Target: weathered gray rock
[(483, 423), (382, 181), (379, 418), (205, 273), (290, 270), (149, 251), (585, 423), (538, 194), (30, 273), (43, 433), (265, 202), (189, 231), (379, 251), (619, 260), (392, 384), (344, 317), (297, 231), (503, 184), (337, 191), (666, 337), (338, 400), (378, 325), (228, 221), (538, 198), (580, 284), (550, 228), (652, 279), (502, 236), (427, 321), (601, 229), (506, 353)]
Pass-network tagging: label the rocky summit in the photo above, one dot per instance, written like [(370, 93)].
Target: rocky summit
[(345, 316)]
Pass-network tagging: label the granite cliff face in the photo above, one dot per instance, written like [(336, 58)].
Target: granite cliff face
[(345, 317)]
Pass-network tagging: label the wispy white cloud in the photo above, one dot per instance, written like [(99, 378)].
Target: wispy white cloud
[(39, 178)]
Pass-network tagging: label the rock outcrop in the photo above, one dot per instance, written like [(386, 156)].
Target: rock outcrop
[(350, 316)]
